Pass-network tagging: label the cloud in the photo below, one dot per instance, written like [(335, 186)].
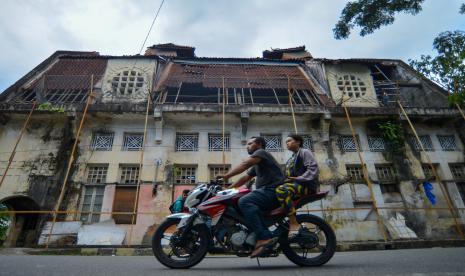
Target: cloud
[(32, 30)]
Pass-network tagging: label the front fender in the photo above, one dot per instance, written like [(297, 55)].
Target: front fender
[(178, 215)]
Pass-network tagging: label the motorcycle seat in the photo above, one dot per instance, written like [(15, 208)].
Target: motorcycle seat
[(299, 202)]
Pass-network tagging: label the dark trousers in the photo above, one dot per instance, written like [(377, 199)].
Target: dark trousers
[(254, 205)]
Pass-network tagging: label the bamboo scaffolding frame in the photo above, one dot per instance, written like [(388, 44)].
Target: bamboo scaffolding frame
[(435, 173), (223, 156), (136, 201), (290, 103), (13, 152), (365, 172), (71, 158)]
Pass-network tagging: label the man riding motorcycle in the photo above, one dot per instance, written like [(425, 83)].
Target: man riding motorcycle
[(264, 167)]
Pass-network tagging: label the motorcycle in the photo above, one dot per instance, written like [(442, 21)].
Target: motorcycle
[(214, 223)]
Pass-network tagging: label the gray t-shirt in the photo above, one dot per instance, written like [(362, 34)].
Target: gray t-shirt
[(267, 171)]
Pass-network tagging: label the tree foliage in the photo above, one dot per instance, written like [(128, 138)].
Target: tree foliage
[(447, 68), (4, 223), (371, 15)]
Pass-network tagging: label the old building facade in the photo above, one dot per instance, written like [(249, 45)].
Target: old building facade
[(126, 160)]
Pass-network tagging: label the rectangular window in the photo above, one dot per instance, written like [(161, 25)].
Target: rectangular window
[(102, 141), (273, 142), (185, 174), (355, 172), (461, 188), (129, 174), (97, 174), (385, 173), (425, 141), (125, 198), (215, 142), (347, 143), (187, 141), (428, 172), (447, 142), (376, 143), (458, 170), (216, 170), (92, 198), (133, 141), (308, 142), (389, 188)]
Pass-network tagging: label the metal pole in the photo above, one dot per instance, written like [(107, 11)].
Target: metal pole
[(290, 102), (71, 159), (12, 155), (436, 175), (136, 201), (365, 171)]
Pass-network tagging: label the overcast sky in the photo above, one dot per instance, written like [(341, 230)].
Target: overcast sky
[(31, 30)]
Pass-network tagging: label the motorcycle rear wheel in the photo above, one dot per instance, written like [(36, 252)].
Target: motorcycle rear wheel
[(315, 244), (171, 253)]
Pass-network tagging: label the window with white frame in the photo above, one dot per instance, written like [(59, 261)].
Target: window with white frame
[(308, 142), (389, 188), (127, 82), (425, 141), (355, 172), (97, 174), (216, 170), (187, 141), (347, 143), (92, 199), (351, 86), (457, 170), (129, 174), (385, 173), (102, 141), (185, 174), (376, 143), (215, 142), (133, 141), (273, 142), (447, 142)]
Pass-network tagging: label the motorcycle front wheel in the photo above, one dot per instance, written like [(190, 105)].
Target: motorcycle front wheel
[(173, 252), (313, 245)]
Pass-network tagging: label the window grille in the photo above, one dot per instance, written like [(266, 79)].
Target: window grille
[(102, 141), (308, 142), (215, 142), (273, 142), (129, 174), (376, 143), (97, 174), (185, 174), (425, 141), (216, 170), (351, 86), (427, 171), (385, 173), (133, 141), (92, 199), (347, 143), (127, 82), (458, 170), (355, 172), (447, 142), (187, 142)]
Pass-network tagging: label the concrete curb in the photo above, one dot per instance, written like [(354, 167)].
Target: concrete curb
[(147, 251)]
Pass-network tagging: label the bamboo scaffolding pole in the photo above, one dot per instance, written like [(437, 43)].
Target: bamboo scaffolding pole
[(290, 103), (435, 173), (365, 172), (223, 156), (71, 158), (153, 213), (13, 153), (460, 110), (136, 201)]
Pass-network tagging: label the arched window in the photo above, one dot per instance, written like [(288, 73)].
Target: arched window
[(351, 86), (127, 82)]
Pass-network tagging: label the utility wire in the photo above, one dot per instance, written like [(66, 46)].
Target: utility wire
[(151, 26)]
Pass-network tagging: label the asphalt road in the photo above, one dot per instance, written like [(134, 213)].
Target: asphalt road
[(435, 261)]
